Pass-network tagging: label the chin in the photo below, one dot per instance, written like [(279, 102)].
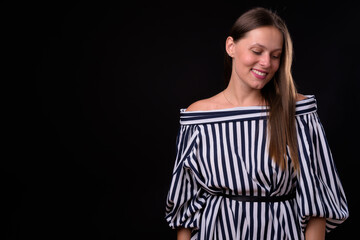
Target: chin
[(258, 86)]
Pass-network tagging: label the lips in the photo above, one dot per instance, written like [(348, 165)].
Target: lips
[(259, 73)]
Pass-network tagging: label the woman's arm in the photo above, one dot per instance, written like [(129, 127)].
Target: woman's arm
[(183, 234), (315, 229)]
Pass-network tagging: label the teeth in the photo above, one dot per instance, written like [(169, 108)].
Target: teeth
[(259, 73)]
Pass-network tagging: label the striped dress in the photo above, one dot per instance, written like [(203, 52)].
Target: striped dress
[(226, 152)]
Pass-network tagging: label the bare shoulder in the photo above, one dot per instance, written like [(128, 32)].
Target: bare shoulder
[(300, 97), (200, 105), (206, 104)]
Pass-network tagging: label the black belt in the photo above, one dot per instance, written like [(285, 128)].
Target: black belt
[(243, 198)]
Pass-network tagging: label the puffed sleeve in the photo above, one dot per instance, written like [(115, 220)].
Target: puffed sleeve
[(320, 192), (185, 197)]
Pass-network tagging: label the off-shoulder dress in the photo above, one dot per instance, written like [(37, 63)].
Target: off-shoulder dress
[(223, 153)]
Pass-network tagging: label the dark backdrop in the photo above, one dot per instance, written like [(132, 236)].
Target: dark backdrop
[(93, 106)]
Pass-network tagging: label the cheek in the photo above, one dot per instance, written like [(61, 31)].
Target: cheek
[(275, 65), (246, 60), (274, 68)]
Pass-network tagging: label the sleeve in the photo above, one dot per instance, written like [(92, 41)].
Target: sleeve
[(320, 192), (185, 198)]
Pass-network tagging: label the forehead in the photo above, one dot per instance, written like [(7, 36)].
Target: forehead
[(270, 37)]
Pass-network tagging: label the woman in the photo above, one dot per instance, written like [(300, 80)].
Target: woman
[(253, 161)]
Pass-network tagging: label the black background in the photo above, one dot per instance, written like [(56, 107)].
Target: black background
[(92, 106)]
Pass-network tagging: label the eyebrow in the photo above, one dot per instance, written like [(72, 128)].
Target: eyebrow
[(262, 46)]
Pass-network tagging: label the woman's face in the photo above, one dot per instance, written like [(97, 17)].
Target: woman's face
[(256, 56)]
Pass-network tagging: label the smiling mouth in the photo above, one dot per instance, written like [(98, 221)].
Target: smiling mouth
[(259, 74)]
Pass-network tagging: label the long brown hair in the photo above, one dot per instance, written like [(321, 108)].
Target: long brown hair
[(280, 92)]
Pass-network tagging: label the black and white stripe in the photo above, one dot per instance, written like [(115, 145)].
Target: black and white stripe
[(225, 151)]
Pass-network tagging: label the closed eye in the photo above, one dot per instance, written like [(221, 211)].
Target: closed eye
[(256, 52)]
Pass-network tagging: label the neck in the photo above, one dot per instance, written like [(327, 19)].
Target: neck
[(239, 95)]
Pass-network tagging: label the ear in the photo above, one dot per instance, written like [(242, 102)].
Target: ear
[(230, 46)]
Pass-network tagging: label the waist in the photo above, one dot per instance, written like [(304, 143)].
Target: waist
[(243, 198)]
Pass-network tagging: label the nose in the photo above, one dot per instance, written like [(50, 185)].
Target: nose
[(265, 61)]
